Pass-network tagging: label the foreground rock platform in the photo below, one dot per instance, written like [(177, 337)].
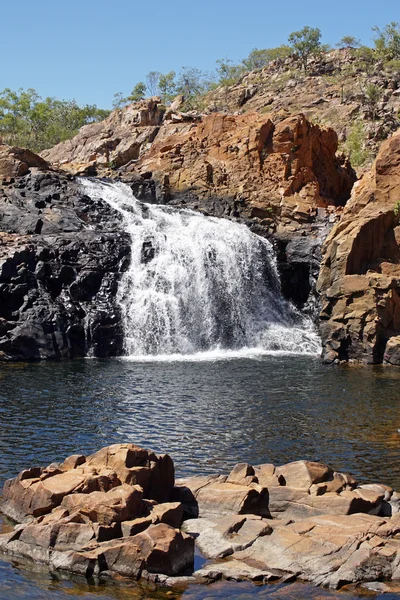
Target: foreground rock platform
[(119, 512)]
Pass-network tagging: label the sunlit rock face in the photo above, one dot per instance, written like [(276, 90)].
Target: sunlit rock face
[(360, 273)]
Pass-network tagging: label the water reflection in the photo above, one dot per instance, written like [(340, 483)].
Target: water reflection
[(208, 416)]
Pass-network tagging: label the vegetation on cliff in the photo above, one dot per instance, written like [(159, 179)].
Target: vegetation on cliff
[(30, 121), (350, 89)]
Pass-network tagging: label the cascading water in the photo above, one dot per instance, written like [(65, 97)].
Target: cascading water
[(200, 285)]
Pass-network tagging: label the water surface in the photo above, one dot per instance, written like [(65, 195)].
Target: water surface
[(208, 416)]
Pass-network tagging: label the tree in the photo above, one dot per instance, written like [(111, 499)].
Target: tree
[(372, 95), (138, 92), (167, 86), (305, 43), (348, 41), (152, 80), (387, 41), (258, 59), (30, 121), (228, 72)]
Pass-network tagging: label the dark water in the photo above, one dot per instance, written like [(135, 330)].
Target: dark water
[(208, 416)]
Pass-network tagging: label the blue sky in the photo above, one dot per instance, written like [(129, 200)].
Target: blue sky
[(89, 49)]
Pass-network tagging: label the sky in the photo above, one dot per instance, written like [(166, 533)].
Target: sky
[(89, 50)]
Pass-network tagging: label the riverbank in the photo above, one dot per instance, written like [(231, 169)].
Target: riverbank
[(120, 513)]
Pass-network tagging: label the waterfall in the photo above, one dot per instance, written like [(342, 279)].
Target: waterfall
[(200, 285)]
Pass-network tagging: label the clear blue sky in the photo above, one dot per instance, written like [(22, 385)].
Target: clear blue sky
[(88, 50)]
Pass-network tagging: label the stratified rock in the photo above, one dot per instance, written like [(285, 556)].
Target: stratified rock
[(222, 537), (263, 165), (302, 474), (392, 351), (360, 273), (15, 162), (89, 515), (327, 550), (210, 496), (117, 140), (94, 486)]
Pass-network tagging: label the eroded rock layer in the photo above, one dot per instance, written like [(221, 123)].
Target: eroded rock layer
[(120, 512), (360, 273)]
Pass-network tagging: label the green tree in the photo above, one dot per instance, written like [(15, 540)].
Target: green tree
[(167, 86), (228, 72), (138, 92), (257, 59), (28, 120), (348, 41), (372, 95), (387, 41), (305, 43)]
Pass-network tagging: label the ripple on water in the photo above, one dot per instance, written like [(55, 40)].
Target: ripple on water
[(208, 416)]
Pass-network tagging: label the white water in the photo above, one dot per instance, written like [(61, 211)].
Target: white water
[(200, 288)]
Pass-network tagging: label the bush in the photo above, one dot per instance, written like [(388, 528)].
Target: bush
[(355, 145)]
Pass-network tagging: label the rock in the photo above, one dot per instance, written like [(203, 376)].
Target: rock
[(392, 350), (360, 272), (247, 154), (61, 257), (15, 162), (237, 570), (222, 498), (122, 503), (170, 513), (117, 140), (88, 515), (159, 549), (324, 550), (94, 486), (134, 465), (217, 539), (302, 474)]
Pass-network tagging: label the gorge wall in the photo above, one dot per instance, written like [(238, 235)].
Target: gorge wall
[(360, 273), (279, 175), (61, 256)]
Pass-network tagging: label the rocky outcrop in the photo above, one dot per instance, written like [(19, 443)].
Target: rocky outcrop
[(15, 162), (360, 273), (334, 91), (118, 513), (114, 142), (313, 523), (106, 512), (61, 257), (280, 175), (252, 165), (260, 166)]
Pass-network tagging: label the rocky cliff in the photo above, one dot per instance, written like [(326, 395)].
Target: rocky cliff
[(61, 256), (279, 174), (360, 272)]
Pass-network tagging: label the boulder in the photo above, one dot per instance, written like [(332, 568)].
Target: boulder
[(119, 504), (15, 162), (302, 474), (93, 486)]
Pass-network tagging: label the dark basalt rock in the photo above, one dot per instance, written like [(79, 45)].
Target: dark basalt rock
[(61, 257)]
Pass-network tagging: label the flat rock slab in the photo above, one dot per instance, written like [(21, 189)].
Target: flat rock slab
[(217, 539)]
